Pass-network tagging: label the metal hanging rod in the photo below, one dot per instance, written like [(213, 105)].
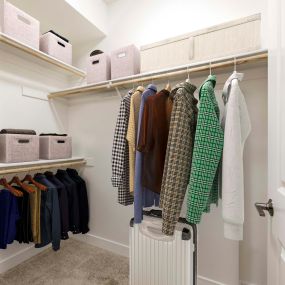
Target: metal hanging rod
[(40, 167), (234, 60)]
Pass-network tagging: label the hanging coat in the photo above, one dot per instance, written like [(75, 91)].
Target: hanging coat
[(203, 187), (236, 123)]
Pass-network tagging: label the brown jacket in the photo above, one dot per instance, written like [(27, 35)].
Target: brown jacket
[(153, 138)]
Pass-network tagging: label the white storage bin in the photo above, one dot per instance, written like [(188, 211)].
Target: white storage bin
[(18, 148), (125, 62), (98, 68), (19, 25), (55, 147), (56, 47), (239, 36)]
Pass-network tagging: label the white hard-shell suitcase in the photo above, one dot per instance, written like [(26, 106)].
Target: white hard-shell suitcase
[(157, 259)]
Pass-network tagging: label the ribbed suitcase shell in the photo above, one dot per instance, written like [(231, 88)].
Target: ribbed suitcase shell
[(160, 260), (19, 25), (125, 62), (55, 147), (56, 47), (18, 148), (98, 68)]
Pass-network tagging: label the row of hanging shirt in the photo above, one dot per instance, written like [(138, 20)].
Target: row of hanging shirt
[(165, 146), (43, 208)]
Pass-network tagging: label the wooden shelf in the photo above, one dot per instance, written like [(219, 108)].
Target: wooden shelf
[(219, 63), (4, 39), (20, 167)]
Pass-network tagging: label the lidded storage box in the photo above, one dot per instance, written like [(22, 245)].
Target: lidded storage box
[(55, 147), (99, 67), (125, 62), (56, 46), (19, 25), (18, 148)]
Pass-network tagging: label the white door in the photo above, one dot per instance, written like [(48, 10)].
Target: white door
[(276, 144)]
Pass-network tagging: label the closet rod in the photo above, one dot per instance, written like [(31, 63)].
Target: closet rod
[(166, 73), (43, 167)]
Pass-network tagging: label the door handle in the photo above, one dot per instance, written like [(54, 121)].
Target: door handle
[(262, 207)]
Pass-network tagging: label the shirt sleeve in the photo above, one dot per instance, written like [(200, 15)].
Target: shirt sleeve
[(146, 137), (119, 145), (55, 221)]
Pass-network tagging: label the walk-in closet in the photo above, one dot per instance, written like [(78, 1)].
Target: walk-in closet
[(141, 142)]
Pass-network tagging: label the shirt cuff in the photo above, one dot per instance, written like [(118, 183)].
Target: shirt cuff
[(233, 231), (116, 181)]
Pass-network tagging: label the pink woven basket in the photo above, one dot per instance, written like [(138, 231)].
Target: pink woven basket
[(55, 147), (98, 68), (125, 62), (18, 148), (19, 25)]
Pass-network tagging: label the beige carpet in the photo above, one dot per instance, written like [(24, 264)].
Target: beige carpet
[(76, 263)]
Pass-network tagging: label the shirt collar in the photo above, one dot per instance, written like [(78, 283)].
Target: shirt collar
[(211, 78), (227, 86), (140, 89), (152, 87)]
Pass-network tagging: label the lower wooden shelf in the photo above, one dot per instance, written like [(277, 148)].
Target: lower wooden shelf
[(20, 167)]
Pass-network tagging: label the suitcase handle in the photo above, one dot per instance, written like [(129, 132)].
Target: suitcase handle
[(153, 231)]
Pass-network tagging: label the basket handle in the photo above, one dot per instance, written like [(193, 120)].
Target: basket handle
[(24, 20)]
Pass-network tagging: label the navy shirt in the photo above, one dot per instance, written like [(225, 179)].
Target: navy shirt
[(50, 214)]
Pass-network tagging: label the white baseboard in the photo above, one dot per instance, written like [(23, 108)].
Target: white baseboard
[(18, 257), (104, 243)]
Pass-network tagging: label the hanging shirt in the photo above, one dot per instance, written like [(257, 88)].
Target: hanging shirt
[(153, 138), (82, 200), (120, 154), (9, 216), (132, 133), (236, 124), (50, 214), (143, 197), (208, 146), (63, 204), (73, 200), (35, 206), (178, 154), (24, 228)]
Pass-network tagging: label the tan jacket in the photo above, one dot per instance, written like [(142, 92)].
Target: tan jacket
[(132, 132)]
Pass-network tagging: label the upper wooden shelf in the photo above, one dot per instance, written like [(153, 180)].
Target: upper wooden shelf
[(165, 74), (4, 39)]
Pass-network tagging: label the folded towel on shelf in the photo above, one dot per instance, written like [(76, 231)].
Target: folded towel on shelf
[(18, 131)]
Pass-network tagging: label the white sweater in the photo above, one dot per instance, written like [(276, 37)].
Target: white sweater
[(236, 123)]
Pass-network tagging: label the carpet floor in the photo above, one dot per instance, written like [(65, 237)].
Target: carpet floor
[(76, 263)]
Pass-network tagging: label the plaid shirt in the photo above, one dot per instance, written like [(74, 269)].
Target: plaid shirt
[(203, 185), (178, 154), (120, 153)]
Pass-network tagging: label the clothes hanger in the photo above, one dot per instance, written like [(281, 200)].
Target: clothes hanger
[(168, 86), (10, 188), (30, 179), (188, 76), (16, 180), (210, 66)]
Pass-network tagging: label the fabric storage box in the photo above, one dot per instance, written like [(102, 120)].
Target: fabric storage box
[(98, 68), (56, 46), (125, 62), (18, 148), (238, 36), (19, 25), (55, 147)]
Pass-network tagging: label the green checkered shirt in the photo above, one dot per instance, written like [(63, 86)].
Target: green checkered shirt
[(208, 146)]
